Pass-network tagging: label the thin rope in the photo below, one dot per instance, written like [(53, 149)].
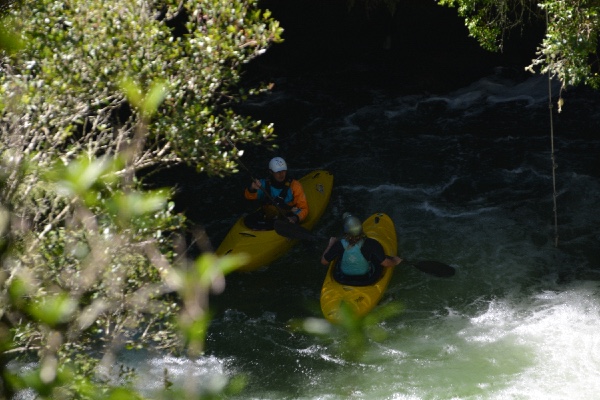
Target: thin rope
[(553, 158)]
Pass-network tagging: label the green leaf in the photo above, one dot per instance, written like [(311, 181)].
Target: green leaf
[(122, 394), (18, 289), (196, 331), (154, 98), (210, 267), (131, 204), (9, 40), (53, 310), (76, 178), (132, 91)]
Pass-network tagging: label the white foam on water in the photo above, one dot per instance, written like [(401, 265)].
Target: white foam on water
[(488, 92), (540, 346), (438, 212), (560, 330), (202, 375)]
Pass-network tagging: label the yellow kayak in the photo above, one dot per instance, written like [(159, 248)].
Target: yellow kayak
[(361, 299), (264, 247)]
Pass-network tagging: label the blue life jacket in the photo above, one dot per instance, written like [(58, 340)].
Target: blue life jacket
[(353, 261), (280, 197)]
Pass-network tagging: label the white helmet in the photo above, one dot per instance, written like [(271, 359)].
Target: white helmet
[(277, 164)]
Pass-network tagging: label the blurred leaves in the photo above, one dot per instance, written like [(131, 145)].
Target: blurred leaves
[(93, 263), (147, 105), (354, 332), (207, 274), (10, 41), (96, 286), (53, 310), (77, 178), (359, 330)]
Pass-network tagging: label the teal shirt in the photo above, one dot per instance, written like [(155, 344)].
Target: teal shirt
[(353, 262)]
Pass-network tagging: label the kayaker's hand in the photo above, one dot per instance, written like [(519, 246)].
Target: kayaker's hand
[(391, 261), (332, 240), (256, 185), (294, 219)]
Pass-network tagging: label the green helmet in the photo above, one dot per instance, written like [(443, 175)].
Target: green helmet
[(352, 225)]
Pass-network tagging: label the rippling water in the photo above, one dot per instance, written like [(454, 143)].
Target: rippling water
[(467, 177)]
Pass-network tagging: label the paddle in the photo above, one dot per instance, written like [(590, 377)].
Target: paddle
[(294, 231), (434, 268)]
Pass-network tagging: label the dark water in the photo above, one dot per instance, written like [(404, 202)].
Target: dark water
[(462, 164), (467, 176)]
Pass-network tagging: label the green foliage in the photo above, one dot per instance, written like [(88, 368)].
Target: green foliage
[(85, 64), (92, 263), (52, 310), (569, 50), (9, 41), (204, 275), (355, 332), (66, 385), (490, 21), (103, 281)]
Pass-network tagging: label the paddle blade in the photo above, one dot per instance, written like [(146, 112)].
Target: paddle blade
[(293, 231), (435, 268)]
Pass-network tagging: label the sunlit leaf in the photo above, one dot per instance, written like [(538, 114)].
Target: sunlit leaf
[(211, 267), (17, 290), (122, 394), (195, 333), (10, 41), (54, 309), (132, 91), (76, 178), (132, 204), (154, 98)]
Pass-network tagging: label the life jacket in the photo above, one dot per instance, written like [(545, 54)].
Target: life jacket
[(280, 199), (353, 261)]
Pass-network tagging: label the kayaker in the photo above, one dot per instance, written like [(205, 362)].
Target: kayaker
[(360, 259), (284, 197)]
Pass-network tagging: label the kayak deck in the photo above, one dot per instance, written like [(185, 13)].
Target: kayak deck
[(361, 299), (265, 246)]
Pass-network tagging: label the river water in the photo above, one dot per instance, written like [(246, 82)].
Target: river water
[(467, 176)]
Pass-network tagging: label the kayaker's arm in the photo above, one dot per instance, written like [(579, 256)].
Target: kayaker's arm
[(251, 191), (391, 261), (377, 254), (300, 204), (332, 241)]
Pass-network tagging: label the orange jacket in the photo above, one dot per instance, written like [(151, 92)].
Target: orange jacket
[(295, 197)]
